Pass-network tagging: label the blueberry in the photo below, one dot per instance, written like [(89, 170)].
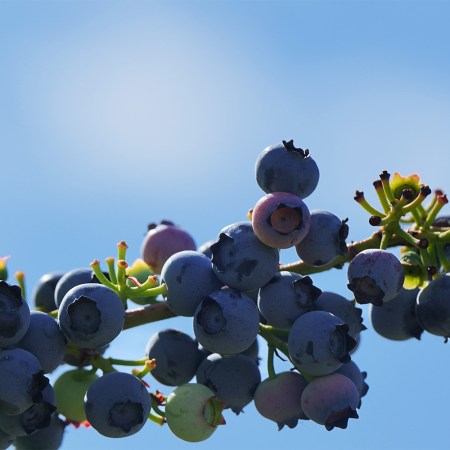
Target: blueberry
[(22, 381), (343, 308), (232, 378), (162, 241), (36, 417), (14, 315), (433, 306), (44, 293), (71, 279), (177, 357), (70, 389), (91, 315), (280, 220), (319, 343), (279, 398), (331, 400), (48, 438), (396, 320), (226, 322), (284, 168), (117, 404), (352, 371), (286, 297), (325, 239), (240, 260), (205, 248), (375, 276), (193, 412), (45, 340), (189, 278)]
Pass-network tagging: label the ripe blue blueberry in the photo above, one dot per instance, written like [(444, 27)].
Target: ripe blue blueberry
[(240, 260), (319, 343), (44, 293), (177, 357), (284, 168), (286, 297), (117, 404), (91, 315), (352, 371), (325, 239), (189, 277), (375, 276), (345, 309), (45, 340), (433, 306), (233, 378), (71, 279), (396, 320), (36, 417), (22, 381), (14, 315), (226, 322), (48, 438)]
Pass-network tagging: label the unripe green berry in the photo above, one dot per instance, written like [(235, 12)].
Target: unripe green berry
[(193, 412), (70, 389)]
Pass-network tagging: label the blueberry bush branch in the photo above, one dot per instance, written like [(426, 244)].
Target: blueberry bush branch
[(233, 290)]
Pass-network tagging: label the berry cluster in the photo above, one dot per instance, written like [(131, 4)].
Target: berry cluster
[(233, 290)]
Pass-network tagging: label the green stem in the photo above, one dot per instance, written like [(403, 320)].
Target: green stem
[(106, 364), (417, 201), (266, 333), (417, 217), (441, 201), (422, 211), (122, 250), (387, 187), (122, 286), (20, 277), (270, 365), (157, 419), (432, 253), (101, 276), (359, 197), (381, 195), (127, 362), (145, 291), (385, 241), (155, 407), (111, 269), (432, 203), (277, 330), (425, 257), (407, 237)]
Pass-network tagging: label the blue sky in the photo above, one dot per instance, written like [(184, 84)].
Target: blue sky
[(116, 114)]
